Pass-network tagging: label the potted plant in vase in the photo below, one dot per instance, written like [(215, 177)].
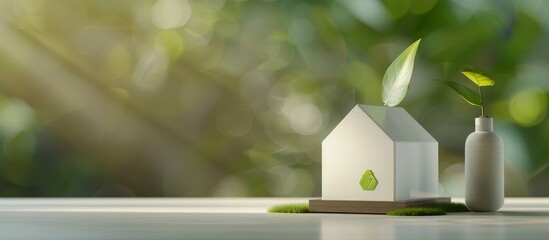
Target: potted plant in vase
[(484, 165)]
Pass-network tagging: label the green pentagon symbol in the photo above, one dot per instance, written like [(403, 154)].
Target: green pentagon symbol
[(368, 181)]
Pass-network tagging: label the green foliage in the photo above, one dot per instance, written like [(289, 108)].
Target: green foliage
[(479, 79), (290, 208), (235, 96), (397, 77), (469, 95), (417, 211)]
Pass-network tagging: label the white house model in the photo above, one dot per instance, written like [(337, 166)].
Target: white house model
[(379, 154)]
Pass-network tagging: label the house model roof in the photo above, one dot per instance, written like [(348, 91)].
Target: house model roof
[(398, 124)]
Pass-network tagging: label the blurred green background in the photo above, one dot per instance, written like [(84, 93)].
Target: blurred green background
[(233, 98)]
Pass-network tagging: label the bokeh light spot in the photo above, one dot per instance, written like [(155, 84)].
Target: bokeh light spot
[(15, 115), (306, 119), (528, 107), (171, 42), (371, 13), (171, 13)]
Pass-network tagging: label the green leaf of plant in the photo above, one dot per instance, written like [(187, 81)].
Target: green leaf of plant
[(479, 79), (398, 75), (469, 95)]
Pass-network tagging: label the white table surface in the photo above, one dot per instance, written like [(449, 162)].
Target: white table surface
[(246, 218)]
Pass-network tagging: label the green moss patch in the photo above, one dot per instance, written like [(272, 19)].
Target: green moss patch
[(451, 207), (432, 210), (290, 208), (417, 211)]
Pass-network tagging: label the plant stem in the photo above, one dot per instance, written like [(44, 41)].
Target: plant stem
[(481, 102)]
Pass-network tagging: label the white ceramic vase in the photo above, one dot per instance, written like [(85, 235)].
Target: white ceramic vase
[(484, 183)]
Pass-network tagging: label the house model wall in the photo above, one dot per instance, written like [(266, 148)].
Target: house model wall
[(379, 154)]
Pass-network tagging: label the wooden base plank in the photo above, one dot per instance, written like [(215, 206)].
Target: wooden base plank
[(379, 207)]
